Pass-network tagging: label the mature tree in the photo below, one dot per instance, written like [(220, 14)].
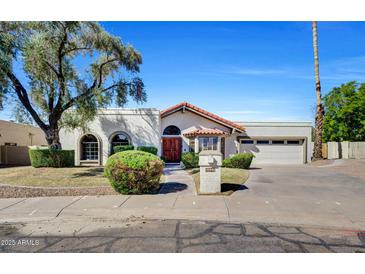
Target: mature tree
[(318, 131), (345, 113), (67, 71)]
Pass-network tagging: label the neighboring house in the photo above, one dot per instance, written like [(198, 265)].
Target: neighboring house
[(185, 127), (14, 141)]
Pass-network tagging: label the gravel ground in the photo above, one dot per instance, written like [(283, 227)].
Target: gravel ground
[(8, 191)]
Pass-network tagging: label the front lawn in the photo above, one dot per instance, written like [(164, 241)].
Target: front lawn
[(53, 177), (232, 179)]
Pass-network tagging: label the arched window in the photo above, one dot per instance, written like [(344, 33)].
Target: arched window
[(172, 130), (89, 147), (120, 139)]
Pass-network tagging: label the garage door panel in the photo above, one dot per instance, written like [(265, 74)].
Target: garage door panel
[(275, 154)]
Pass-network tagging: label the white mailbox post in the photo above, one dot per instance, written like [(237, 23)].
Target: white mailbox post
[(210, 163)]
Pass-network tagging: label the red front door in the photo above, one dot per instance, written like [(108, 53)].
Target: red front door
[(171, 149)]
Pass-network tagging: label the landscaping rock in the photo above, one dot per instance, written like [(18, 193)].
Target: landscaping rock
[(9, 191)]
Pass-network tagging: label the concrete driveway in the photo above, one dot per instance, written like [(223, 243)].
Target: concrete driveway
[(327, 195)]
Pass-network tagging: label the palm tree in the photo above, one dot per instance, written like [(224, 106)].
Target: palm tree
[(319, 109)]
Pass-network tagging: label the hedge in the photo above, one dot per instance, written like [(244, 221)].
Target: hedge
[(149, 149), (241, 160), (134, 172), (122, 148), (190, 159), (52, 158)]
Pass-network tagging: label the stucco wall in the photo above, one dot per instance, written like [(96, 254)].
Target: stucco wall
[(141, 125), (22, 135), (145, 127), (187, 121)]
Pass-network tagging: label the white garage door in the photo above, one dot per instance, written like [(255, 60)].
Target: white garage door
[(268, 151)]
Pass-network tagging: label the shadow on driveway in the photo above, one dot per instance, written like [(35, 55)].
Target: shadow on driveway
[(172, 187)]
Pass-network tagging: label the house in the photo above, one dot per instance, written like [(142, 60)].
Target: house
[(14, 141), (185, 127)]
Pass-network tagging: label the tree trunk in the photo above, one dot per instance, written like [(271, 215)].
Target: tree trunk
[(53, 137), (319, 109)]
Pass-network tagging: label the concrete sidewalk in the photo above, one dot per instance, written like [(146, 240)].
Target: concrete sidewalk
[(268, 199)]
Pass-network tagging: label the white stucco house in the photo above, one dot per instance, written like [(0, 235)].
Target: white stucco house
[(185, 127)]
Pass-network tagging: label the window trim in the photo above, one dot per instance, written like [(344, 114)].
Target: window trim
[(251, 141), (208, 137), (300, 142), (267, 141), (282, 142), (179, 130), (121, 133), (112, 136)]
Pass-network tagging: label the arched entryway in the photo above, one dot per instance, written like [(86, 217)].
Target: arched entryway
[(119, 138), (171, 144), (90, 149)]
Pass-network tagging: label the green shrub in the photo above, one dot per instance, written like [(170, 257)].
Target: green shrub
[(190, 159), (122, 148), (134, 172), (242, 160), (52, 158), (149, 149)]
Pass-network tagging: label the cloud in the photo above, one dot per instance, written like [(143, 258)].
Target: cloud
[(344, 69), (255, 71), (350, 61), (344, 77)]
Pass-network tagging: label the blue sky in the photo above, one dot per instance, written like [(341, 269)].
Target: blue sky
[(243, 71)]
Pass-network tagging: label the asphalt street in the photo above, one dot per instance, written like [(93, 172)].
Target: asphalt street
[(140, 235)]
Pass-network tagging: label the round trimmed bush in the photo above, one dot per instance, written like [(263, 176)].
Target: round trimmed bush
[(134, 172), (190, 159), (241, 160), (52, 158)]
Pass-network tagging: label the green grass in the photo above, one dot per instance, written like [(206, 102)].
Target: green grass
[(232, 179), (54, 177)]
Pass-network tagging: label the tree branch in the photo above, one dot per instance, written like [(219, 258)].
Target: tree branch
[(51, 98), (98, 81), (75, 49), (73, 100), (52, 68), (101, 70), (23, 97), (87, 93), (61, 77)]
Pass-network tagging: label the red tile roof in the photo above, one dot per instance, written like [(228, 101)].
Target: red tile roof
[(205, 131), (202, 112)]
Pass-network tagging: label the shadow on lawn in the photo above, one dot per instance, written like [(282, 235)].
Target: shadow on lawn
[(98, 171)]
